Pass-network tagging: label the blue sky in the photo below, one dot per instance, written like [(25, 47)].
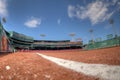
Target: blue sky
[(58, 18)]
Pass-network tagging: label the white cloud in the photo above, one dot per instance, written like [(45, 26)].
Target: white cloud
[(96, 12), (71, 10), (59, 21), (3, 8), (33, 22)]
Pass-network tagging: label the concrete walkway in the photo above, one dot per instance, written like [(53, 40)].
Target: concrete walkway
[(101, 71)]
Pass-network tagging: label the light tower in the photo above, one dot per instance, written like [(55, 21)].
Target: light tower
[(4, 20), (72, 35), (92, 36), (42, 35), (111, 21)]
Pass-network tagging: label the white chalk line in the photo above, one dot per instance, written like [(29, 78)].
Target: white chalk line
[(102, 71)]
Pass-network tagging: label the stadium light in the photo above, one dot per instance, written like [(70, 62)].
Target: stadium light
[(3, 20), (92, 36), (42, 35), (111, 21), (72, 35)]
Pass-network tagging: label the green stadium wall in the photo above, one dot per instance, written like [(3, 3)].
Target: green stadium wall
[(103, 44)]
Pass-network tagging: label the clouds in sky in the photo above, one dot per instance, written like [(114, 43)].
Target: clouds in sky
[(3, 8), (33, 22), (96, 12)]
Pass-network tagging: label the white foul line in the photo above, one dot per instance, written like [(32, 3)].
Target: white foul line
[(104, 72)]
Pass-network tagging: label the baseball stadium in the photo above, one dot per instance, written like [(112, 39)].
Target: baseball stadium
[(13, 41), (57, 56), (25, 46)]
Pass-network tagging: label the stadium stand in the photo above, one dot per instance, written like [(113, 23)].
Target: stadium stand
[(13, 41), (55, 45), (20, 41)]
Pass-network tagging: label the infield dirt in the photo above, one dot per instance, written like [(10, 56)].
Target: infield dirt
[(30, 66)]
